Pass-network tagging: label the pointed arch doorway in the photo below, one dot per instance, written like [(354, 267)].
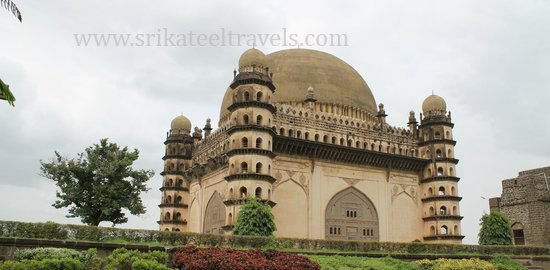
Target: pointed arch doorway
[(350, 215)]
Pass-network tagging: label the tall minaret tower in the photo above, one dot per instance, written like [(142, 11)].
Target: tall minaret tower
[(251, 137), (175, 189), (441, 210)]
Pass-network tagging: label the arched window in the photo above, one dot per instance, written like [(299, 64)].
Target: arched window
[(166, 230), (432, 230), (246, 96), (316, 137), (242, 192), (298, 134), (451, 171), (230, 219), (519, 235), (444, 230), (437, 135), (282, 131), (350, 143), (430, 191), (244, 142), (268, 169), (178, 216), (449, 153), (306, 135), (372, 146), (171, 182), (245, 119), (455, 212), (259, 96), (168, 199), (441, 191), (453, 191), (432, 211), (456, 230), (259, 192), (180, 183), (357, 144), (334, 140), (231, 192), (167, 216), (269, 194), (440, 171), (430, 172), (258, 167), (438, 153), (443, 210), (178, 199), (342, 141), (244, 167), (259, 143), (259, 120), (428, 154), (290, 133), (448, 135), (325, 139)]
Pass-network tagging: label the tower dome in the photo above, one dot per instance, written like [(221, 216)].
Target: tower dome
[(181, 123), (252, 57), (434, 103)]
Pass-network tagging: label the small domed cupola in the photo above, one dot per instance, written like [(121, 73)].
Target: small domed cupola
[(434, 104), (252, 58), (181, 124)]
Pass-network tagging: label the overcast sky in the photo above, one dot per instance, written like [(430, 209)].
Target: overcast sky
[(488, 59)]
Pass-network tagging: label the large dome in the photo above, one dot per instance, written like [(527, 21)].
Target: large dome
[(334, 81)]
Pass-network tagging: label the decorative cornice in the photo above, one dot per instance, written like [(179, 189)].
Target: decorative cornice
[(252, 103), (176, 157), (429, 123), (435, 141), (339, 153), (179, 139), (239, 201), (248, 151), (444, 237), (174, 188), (252, 78), (439, 178), (174, 205), (251, 176), (171, 172), (442, 217), (177, 222), (442, 198), (446, 159), (233, 129)]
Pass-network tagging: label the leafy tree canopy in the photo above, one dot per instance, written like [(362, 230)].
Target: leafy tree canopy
[(98, 184), (6, 94), (495, 229), (254, 218)]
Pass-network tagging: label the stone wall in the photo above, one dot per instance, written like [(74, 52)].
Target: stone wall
[(525, 200)]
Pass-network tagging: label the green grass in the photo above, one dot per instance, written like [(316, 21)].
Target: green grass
[(351, 263)]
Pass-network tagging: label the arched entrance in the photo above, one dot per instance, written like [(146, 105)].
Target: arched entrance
[(214, 217), (350, 215)]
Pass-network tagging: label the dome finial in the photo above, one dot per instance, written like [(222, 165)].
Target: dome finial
[(181, 124), (434, 104)]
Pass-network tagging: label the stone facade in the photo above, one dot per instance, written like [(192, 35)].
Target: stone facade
[(525, 200), (329, 165)]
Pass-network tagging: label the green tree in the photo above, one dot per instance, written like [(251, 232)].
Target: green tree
[(99, 184), (10, 6), (254, 218), (495, 229), (6, 94)]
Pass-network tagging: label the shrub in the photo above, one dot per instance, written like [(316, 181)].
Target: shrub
[(193, 258), (123, 259), (89, 257), (453, 264), (46, 264), (350, 262), (495, 230), (505, 263), (254, 218)]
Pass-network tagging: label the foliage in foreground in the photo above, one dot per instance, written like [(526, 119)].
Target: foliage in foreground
[(350, 262), (495, 229), (193, 258), (99, 184), (254, 218), (6, 94), (68, 259), (345, 262)]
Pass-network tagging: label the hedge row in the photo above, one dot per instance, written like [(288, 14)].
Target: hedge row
[(51, 230)]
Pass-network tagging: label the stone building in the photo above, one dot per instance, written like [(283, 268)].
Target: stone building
[(300, 130), (525, 200)]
